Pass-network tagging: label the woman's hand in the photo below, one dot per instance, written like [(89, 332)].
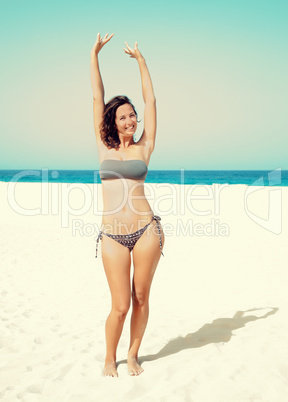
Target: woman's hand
[(134, 53), (100, 42)]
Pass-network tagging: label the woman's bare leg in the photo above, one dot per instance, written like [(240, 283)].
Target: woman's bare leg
[(146, 255), (117, 261)]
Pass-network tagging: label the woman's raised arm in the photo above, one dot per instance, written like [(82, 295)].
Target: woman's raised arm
[(150, 118), (96, 81)]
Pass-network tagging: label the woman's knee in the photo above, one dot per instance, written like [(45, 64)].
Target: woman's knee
[(140, 297), (121, 309)]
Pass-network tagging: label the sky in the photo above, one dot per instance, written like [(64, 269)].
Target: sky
[(218, 67)]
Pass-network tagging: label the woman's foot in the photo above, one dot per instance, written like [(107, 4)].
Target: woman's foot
[(109, 369), (133, 367)]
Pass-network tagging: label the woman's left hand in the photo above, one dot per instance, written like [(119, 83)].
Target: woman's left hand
[(134, 53)]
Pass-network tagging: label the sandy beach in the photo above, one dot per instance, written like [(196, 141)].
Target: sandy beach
[(217, 330)]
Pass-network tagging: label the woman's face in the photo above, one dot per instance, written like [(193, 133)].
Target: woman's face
[(126, 120)]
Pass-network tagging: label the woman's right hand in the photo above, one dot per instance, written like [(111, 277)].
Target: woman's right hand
[(100, 42)]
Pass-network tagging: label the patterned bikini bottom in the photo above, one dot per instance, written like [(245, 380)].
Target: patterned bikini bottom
[(131, 239)]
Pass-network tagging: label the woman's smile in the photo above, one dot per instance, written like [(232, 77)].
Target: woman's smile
[(130, 128)]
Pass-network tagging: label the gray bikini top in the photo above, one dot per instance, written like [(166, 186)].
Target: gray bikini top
[(134, 169)]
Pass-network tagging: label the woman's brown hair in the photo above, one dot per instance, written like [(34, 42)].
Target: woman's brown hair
[(108, 129)]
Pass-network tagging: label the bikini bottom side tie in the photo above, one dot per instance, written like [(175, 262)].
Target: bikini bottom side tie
[(131, 239)]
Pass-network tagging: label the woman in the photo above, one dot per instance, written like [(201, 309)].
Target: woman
[(128, 222)]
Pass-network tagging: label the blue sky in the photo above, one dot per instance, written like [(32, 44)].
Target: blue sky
[(219, 71)]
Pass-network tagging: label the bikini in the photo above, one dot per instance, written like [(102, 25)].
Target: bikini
[(134, 169)]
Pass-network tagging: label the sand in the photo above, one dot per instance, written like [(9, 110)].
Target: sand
[(217, 330)]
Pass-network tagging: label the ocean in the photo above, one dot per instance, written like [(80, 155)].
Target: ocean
[(276, 177)]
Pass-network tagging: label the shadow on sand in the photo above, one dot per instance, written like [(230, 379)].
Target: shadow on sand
[(220, 330)]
